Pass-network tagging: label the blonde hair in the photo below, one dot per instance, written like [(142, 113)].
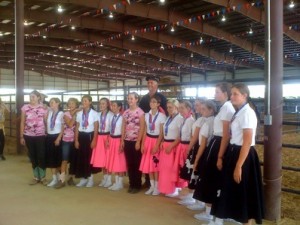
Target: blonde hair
[(174, 102)]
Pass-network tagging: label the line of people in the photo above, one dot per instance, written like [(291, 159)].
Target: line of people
[(212, 154)]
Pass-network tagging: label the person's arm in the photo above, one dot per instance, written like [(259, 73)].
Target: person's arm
[(95, 137), (194, 139), (200, 151), (247, 140), (224, 143), (70, 121), (22, 127), (144, 138), (59, 138), (123, 134), (141, 133)]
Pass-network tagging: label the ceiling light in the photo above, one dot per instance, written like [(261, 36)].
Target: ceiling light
[(132, 38), (292, 4), (101, 45), (25, 23), (223, 19), (73, 27), (192, 55), (104, 57), (230, 50), (1, 34), (6, 21), (162, 1), (34, 7), (44, 37), (162, 47), (133, 63), (160, 59), (130, 53), (250, 31), (111, 15), (59, 9), (201, 40), (4, 3), (172, 29)]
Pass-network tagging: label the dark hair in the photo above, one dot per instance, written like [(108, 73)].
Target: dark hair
[(243, 89), (225, 88), (136, 96), (187, 104), (201, 99), (107, 102), (88, 97), (57, 100), (157, 98), (119, 104), (36, 93), (211, 105)]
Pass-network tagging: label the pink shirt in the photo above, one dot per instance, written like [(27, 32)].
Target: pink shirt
[(69, 132), (34, 119), (132, 123)]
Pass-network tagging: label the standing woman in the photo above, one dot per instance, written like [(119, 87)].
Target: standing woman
[(132, 133), (210, 181), (68, 150), (3, 108), (116, 158), (100, 152), (152, 138), (85, 140), (32, 133), (53, 139), (241, 196), (171, 131), (185, 108)]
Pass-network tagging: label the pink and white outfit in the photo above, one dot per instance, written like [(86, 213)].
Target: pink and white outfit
[(181, 150), (149, 161), (116, 162), (166, 184), (99, 155)]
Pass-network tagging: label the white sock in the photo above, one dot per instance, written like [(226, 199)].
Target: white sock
[(105, 177), (152, 183), (62, 177), (116, 179), (207, 210), (120, 181), (108, 178), (54, 177), (156, 184)]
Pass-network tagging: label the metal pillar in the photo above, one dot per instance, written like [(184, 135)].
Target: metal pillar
[(19, 63), (273, 100)]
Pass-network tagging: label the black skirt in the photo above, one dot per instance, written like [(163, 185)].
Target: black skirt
[(53, 153), (210, 180), (242, 201)]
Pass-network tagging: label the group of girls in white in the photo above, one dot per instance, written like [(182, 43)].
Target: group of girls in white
[(209, 152)]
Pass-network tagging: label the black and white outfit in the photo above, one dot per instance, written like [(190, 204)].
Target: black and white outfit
[(210, 181), (242, 201)]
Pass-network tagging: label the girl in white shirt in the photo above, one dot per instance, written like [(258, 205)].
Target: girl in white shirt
[(171, 131), (241, 196), (151, 143), (53, 139), (100, 152), (86, 132)]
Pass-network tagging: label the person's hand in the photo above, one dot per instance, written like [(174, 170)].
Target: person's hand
[(220, 163), (93, 144), (237, 174), (22, 141), (137, 146), (57, 141), (154, 150), (168, 149), (76, 144)]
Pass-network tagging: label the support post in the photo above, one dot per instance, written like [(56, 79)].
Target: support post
[(273, 118), (19, 64)]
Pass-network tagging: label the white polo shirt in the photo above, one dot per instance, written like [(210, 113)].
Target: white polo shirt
[(225, 114)]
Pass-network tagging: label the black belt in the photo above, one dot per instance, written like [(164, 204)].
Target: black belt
[(184, 142), (115, 136), (152, 136), (171, 140), (105, 133)]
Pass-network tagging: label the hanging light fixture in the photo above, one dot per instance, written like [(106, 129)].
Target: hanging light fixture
[(111, 15), (223, 19), (73, 27), (250, 31), (60, 9), (130, 53), (192, 55), (172, 29), (25, 23), (162, 47), (201, 40), (292, 4), (162, 1), (132, 38), (230, 50)]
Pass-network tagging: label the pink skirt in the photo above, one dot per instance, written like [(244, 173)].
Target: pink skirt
[(116, 162), (180, 157), (149, 163), (99, 155), (166, 185)]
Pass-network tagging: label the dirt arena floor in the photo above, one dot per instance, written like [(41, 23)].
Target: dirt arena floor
[(24, 205)]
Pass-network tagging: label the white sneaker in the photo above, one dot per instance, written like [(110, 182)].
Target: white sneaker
[(187, 201), (107, 184), (102, 183), (90, 183), (232, 221), (183, 197), (196, 206), (212, 223), (117, 187), (112, 186), (173, 195), (155, 192), (203, 216), (150, 191), (82, 182), (52, 183)]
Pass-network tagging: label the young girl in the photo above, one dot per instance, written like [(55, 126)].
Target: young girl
[(132, 132), (210, 181), (3, 108), (171, 131), (68, 152), (151, 143), (85, 140), (187, 171), (185, 135), (116, 158), (32, 133), (100, 152), (206, 133), (53, 139), (241, 196)]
